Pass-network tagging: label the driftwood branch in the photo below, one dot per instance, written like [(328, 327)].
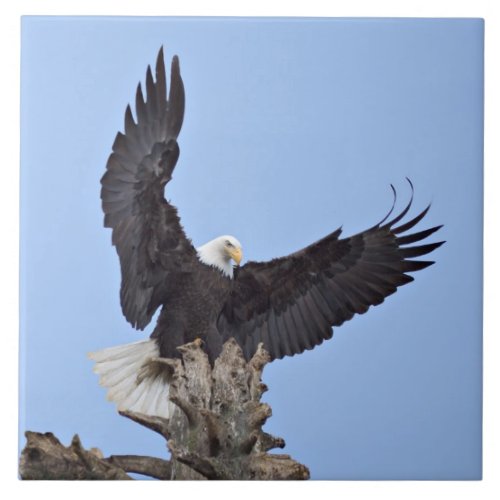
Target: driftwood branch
[(214, 432), (147, 466), (44, 457)]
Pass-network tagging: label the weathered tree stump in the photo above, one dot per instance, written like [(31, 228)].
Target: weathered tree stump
[(214, 432)]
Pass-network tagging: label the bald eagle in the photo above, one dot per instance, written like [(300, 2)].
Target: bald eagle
[(290, 304)]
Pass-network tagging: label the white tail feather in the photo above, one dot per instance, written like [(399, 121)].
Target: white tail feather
[(118, 368)]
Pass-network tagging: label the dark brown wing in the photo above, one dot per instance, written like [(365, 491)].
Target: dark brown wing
[(291, 303), (147, 232)]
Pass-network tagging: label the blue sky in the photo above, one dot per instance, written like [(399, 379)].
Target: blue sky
[(292, 128)]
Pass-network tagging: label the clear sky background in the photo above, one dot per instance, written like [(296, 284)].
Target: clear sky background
[(292, 128)]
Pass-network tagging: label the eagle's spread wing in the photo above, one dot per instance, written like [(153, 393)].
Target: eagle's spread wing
[(147, 232), (291, 303)]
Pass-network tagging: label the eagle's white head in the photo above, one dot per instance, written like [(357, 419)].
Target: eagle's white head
[(219, 253)]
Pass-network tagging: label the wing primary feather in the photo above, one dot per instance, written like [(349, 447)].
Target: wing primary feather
[(370, 293), (152, 105), (413, 238), (129, 121), (175, 99), (388, 279), (394, 197), (411, 223), (140, 105), (161, 83), (405, 210), (419, 250), (358, 299), (415, 265), (374, 290)]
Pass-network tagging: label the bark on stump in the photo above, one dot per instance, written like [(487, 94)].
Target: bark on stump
[(215, 430)]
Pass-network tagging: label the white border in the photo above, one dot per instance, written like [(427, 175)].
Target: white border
[(9, 188)]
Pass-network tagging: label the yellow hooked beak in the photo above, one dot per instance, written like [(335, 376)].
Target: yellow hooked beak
[(236, 254)]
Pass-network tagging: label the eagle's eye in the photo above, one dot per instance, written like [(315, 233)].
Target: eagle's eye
[(229, 244)]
